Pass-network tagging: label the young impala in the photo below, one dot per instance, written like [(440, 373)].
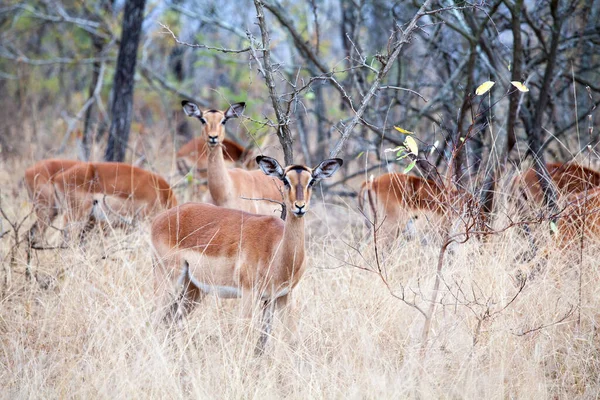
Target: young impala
[(232, 187), (393, 199), (231, 253), (38, 181), (95, 192)]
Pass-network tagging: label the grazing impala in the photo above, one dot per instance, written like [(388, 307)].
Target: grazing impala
[(41, 192), (569, 178), (394, 197), (229, 187), (194, 154), (91, 192), (235, 254)]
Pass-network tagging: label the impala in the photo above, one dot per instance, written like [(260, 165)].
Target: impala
[(569, 178), (234, 254), (232, 187), (91, 192), (194, 154), (394, 197), (580, 217), (41, 192)]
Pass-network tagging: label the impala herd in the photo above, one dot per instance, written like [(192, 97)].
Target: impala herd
[(233, 244)]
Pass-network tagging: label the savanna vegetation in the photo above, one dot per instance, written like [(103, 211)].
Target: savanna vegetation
[(476, 277)]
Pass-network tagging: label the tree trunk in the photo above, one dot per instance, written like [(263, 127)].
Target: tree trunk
[(91, 113), (122, 104), (534, 131), (489, 186)]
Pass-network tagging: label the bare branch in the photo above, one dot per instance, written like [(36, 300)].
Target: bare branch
[(389, 61), (202, 46)]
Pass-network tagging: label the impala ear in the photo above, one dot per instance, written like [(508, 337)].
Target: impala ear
[(270, 166), (191, 109), (235, 110), (327, 168)]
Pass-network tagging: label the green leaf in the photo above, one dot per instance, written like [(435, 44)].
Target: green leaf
[(360, 155), (553, 227), (410, 166)]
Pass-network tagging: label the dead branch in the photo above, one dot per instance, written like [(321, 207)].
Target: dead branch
[(282, 204), (202, 46), (388, 62)]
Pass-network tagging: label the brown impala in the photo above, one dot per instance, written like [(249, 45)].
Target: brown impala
[(229, 187), (38, 180), (231, 253), (92, 192), (394, 197)]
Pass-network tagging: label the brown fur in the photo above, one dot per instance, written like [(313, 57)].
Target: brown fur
[(195, 153), (41, 192), (393, 197), (581, 216), (131, 189), (228, 186), (260, 257), (569, 178)]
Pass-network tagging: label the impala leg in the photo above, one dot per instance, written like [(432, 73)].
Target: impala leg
[(89, 225), (268, 309), (289, 318), (189, 296)]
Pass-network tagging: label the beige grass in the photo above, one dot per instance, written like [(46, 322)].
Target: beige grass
[(90, 334)]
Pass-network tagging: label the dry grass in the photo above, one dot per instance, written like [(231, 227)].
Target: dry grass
[(90, 334)]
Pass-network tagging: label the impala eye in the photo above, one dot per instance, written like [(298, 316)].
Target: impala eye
[(202, 120), (223, 121), (286, 183), (312, 183)]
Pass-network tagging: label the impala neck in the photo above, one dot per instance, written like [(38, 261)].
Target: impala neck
[(220, 184), (293, 245)]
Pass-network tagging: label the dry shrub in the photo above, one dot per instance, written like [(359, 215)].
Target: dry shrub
[(91, 332)]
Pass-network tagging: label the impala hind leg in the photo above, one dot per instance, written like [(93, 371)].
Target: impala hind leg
[(189, 296)]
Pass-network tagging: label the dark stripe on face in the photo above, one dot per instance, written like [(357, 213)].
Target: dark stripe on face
[(213, 111), (299, 188)]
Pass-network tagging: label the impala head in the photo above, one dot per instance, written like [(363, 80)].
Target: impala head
[(298, 180), (213, 121)]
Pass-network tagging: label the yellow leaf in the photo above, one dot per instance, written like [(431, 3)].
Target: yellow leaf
[(484, 87), (520, 86), (411, 145), (403, 130)]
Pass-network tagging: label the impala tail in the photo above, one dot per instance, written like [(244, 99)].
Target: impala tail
[(366, 195)]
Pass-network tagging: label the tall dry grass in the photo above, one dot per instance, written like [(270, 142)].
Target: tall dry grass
[(90, 334)]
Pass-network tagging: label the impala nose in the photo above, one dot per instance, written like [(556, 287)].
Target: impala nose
[(213, 140), (300, 209)]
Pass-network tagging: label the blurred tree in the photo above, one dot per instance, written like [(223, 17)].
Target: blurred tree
[(124, 81)]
